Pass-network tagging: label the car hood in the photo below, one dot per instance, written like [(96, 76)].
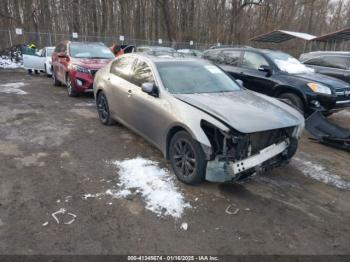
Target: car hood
[(91, 63), (323, 79), (244, 110)]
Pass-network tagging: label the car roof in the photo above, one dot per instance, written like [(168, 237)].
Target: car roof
[(265, 51), (155, 47), (328, 53), (166, 58)]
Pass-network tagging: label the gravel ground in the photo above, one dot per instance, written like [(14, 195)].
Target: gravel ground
[(54, 151)]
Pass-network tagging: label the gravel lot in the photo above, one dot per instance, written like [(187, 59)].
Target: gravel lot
[(54, 151)]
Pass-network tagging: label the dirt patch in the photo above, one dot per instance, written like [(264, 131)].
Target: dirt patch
[(32, 160), (8, 148), (84, 112)]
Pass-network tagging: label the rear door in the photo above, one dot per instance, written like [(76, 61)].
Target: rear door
[(229, 61), (252, 78), (335, 66), (145, 112), (62, 64)]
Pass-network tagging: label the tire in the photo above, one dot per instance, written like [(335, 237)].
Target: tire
[(47, 75), (54, 79), (294, 99), (70, 88), (103, 109), (187, 158)]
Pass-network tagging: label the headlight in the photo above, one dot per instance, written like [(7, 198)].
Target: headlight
[(80, 69), (319, 88), (298, 130)]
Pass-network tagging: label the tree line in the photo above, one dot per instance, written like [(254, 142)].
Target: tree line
[(224, 21)]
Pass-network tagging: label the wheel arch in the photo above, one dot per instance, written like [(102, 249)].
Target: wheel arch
[(180, 127), (289, 89)]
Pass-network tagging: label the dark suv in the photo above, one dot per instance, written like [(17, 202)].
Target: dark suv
[(336, 64), (280, 75)]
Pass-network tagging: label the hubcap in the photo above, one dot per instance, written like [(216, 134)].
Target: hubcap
[(102, 107), (184, 158)]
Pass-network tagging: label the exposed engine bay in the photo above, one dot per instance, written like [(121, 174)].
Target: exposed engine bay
[(242, 155)]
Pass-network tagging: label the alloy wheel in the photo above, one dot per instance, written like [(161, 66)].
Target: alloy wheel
[(184, 157), (102, 107)]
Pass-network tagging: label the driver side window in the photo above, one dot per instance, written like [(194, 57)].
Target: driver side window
[(253, 61), (142, 74)]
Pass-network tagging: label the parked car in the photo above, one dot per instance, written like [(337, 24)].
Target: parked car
[(280, 75), (145, 48), (39, 61), (335, 64), (191, 52), (75, 64), (200, 120)]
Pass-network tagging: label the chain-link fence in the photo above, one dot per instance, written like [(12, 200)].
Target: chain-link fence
[(9, 38)]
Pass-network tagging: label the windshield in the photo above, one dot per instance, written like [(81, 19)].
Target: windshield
[(85, 50), (49, 51), (288, 64), (194, 77)]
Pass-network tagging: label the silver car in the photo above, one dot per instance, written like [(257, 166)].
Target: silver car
[(202, 120)]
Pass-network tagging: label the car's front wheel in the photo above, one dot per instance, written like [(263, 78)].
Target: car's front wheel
[(103, 109), (294, 99), (187, 158), (70, 88)]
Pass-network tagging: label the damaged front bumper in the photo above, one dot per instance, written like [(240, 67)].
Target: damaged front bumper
[(218, 171)]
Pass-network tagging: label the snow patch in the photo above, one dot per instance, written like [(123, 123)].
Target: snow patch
[(155, 185), (13, 88), (6, 62), (318, 172)]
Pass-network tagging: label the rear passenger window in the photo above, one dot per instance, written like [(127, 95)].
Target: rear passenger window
[(338, 62), (142, 74), (212, 55), (231, 57), (253, 60), (122, 67)]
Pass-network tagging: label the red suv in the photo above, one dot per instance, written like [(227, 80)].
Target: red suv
[(75, 64)]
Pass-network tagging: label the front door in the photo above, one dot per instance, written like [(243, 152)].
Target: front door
[(120, 87), (146, 113)]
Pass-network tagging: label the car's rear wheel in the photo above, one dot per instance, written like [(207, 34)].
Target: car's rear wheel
[(103, 109), (70, 88), (55, 80), (187, 158), (294, 99)]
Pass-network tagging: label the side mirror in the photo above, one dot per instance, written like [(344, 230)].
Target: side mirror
[(150, 88), (265, 68), (240, 82)]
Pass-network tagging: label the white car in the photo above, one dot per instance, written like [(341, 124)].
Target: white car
[(39, 61)]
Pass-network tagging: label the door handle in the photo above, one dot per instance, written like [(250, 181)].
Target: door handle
[(129, 92)]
